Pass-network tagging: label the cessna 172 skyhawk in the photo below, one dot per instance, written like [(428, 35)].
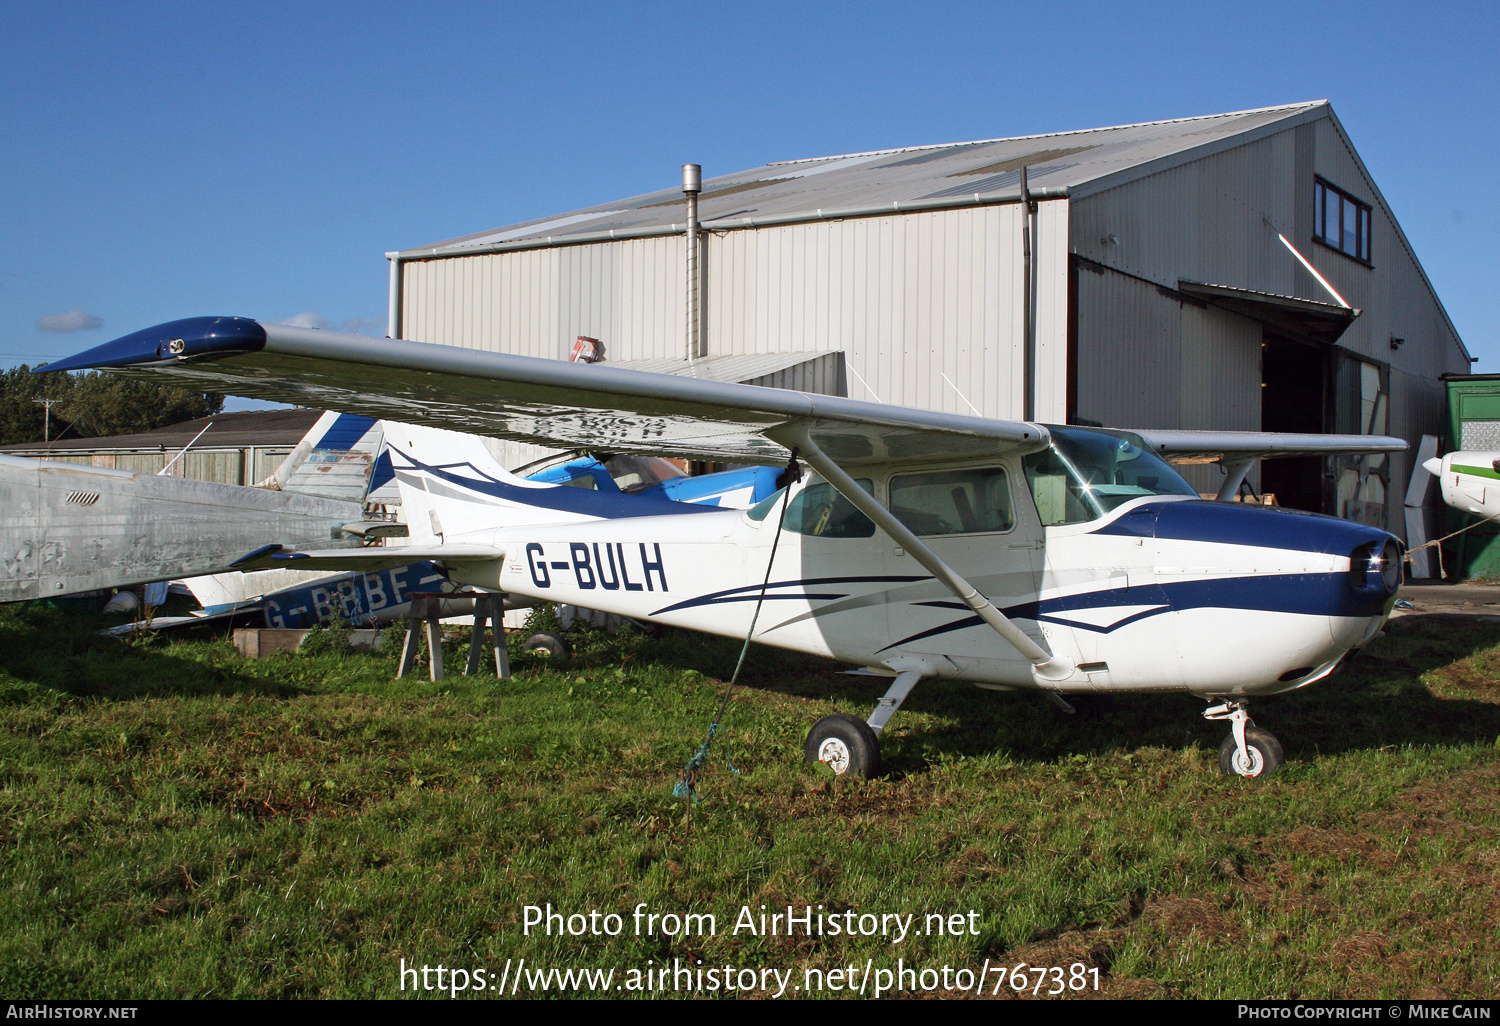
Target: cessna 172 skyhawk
[(1069, 560)]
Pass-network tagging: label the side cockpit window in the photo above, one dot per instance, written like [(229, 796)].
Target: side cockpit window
[(971, 501)]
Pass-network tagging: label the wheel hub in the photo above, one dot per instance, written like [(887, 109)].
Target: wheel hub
[(835, 753), (1248, 767)]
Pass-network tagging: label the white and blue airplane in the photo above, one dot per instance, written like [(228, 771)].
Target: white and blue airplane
[(1015, 555)]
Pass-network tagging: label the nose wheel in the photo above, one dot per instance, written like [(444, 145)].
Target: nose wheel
[(1248, 751)]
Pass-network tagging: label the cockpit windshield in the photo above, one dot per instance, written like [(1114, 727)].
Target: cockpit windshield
[(1084, 474), (634, 474)]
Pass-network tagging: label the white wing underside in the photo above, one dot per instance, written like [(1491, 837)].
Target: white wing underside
[(583, 406)]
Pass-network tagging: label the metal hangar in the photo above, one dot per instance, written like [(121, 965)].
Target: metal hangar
[(1236, 271)]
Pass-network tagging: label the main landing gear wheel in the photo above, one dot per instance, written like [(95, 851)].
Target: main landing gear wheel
[(846, 744), (1262, 749), (548, 646)]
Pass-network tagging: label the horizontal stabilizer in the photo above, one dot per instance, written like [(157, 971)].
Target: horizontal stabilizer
[(283, 557), (377, 529)]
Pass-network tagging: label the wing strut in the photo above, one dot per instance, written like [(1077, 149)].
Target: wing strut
[(1234, 476), (1048, 666)]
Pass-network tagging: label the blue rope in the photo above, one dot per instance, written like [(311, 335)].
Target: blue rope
[(684, 788)]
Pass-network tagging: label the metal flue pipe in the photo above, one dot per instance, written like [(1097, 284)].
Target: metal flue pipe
[(692, 185)]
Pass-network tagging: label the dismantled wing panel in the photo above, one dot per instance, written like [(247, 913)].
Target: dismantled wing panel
[(66, 528), (546, 402), (1234, 446)]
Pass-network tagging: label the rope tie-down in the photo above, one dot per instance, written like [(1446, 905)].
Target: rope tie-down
[(684, 788)]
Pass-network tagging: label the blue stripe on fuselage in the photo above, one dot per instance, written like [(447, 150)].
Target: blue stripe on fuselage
[(1323, 594), (751, 592), (605, 505), (1319, 594)]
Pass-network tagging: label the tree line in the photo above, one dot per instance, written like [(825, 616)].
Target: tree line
[(92, 405)]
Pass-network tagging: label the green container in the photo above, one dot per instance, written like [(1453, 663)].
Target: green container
[(1473, 423)]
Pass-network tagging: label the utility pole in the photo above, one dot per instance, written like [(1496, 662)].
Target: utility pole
[(46, 404)]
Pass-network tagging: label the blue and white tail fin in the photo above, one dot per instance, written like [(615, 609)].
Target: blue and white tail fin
[(335, 459), (451, 485)]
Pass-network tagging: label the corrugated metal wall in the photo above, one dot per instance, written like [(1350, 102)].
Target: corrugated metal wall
[(535, 302), (1204, 219), (1152, 358), (908, 299), (1216, 220), (222, 466), (827, 375), (1146, 357)]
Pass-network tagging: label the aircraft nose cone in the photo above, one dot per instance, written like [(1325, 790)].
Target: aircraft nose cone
[(1374, 557), (1433, 466), (1377, 567)]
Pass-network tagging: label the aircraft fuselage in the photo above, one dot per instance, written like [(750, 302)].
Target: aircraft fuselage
[(1163, 594)]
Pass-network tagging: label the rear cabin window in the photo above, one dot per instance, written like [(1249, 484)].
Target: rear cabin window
[(820, 510), (970, 501)]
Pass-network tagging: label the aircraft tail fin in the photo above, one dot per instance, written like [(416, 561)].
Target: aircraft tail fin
[(220, 592), (451, 485), (335, 459)]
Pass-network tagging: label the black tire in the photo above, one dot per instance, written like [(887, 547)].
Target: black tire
[(1265, 754), (548, 646), (845, 744)]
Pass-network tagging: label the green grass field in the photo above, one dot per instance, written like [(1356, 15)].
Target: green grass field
[(176, 821)]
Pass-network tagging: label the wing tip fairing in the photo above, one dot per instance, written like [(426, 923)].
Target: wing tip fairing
[(175, 340)]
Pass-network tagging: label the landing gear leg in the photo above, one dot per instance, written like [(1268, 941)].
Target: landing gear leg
[(1248, 751), (849, 746), (892, 699)]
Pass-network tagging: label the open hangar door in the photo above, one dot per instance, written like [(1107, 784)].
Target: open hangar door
[(1318, 388)]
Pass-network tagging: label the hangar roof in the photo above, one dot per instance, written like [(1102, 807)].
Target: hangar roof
[(241, 430), (916, 177)]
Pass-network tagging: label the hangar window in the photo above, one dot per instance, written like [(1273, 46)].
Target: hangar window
[(1341, 221)]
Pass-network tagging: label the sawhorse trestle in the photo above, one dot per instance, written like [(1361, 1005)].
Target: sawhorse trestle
[(427, 610)]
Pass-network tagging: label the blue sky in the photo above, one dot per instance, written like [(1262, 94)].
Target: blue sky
[(166, 160)]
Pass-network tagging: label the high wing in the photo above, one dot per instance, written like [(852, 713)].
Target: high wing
[(1237, 451), (590, 406), (1234, 446), (549, 402)]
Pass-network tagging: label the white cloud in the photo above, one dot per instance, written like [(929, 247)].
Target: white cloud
[(365, 326), (306, 320), (73, 320)]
